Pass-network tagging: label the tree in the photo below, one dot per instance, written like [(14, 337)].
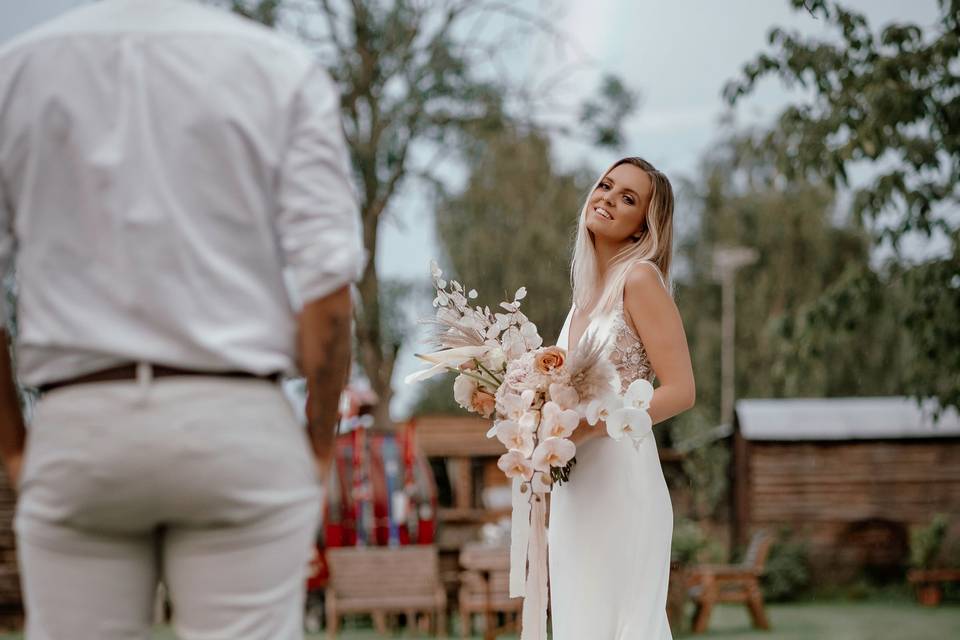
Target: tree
[(512, 225), (424, 76), (888, 101), (741, 199)]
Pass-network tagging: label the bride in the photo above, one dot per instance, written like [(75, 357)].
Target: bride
[(610, 526)]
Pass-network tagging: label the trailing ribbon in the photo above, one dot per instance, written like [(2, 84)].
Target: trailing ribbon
[(528, 559), (519, 535)]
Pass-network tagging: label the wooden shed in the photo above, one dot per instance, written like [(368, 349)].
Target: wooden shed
[(848, 476)]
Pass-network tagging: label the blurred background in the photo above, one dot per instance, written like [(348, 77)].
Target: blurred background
[(815, 151)]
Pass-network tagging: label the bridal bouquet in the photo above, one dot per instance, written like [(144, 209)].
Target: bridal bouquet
[(537, 397)]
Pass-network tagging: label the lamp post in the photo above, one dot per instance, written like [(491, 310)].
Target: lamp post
[(726, 261)]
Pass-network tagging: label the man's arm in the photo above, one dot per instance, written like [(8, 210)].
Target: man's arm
[(325, 341), (13, 435)]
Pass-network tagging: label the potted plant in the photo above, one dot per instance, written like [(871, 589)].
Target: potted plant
[(925, 546)]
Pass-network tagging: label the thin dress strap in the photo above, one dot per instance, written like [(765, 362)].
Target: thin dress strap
[(657, 270)]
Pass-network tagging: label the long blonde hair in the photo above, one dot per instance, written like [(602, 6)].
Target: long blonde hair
[(655, 243)]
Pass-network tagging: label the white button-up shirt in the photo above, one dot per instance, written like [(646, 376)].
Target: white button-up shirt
[(169, 172)]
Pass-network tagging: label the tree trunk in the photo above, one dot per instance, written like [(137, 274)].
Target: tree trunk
[(376, 358)]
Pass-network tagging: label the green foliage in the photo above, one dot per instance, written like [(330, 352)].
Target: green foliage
[(887, 99), (688, 541), (512, 226), (802, 252), (787, 575), (706, 466), (603, 115), (926, 543)]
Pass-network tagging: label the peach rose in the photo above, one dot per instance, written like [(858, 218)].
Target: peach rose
[(483, 402), (549, 359)]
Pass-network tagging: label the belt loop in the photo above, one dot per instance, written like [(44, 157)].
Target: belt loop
[(144, 379)]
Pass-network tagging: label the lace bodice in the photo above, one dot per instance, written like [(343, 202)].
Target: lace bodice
[(627, 352)]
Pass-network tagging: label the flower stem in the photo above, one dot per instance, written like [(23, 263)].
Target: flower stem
[(478, 378), (488, 372)]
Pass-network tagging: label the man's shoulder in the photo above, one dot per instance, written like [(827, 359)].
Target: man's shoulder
[(157, 18)]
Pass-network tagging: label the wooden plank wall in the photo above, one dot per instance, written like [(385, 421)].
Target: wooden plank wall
[(825, 491)]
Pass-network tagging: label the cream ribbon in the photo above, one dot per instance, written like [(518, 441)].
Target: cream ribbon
[(528, 559)]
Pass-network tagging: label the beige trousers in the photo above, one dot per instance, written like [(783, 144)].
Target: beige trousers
[(205, 483)]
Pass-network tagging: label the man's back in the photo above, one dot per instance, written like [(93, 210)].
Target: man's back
[(160, 164)]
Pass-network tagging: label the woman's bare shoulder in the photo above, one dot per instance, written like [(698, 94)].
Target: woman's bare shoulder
[(644, 279), (645, 298)]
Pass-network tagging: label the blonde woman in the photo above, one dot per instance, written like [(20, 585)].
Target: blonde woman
[(610, 526)]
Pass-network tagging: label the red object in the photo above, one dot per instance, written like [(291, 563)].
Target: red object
[(358, 507)]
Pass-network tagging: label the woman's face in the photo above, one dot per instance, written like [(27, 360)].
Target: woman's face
[(618, 205)]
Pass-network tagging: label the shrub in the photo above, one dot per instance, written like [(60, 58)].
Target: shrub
[(787, 575), (927, 542), (688, 541)]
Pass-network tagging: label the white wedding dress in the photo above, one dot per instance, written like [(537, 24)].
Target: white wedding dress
[(611, 525)]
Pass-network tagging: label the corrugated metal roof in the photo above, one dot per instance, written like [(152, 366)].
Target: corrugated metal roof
[(842, 419)]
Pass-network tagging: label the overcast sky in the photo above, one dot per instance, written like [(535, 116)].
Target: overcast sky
[(678, 54)]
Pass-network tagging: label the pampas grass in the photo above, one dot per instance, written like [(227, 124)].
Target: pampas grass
[(592, 375)]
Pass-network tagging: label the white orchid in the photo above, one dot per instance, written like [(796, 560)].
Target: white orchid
[(600, 409), (553, 452), (515, 465), (629, 421), (632, 418), (625, 415), (515, 437), (639, 394), (515, 408), (556, 422)]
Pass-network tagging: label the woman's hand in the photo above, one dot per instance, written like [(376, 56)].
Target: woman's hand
[(585, 432)]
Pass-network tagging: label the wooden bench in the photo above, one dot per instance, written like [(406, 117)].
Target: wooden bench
[(739, 583), (929, 583), (485, 589), (380, 581)]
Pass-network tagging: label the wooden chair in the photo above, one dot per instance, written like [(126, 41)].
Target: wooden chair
[(485, 589), (381, 581), (710, 584)]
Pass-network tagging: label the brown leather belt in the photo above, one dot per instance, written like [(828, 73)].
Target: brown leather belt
[(129, 372)]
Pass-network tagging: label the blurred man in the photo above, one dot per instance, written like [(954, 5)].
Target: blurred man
[(165, 169)]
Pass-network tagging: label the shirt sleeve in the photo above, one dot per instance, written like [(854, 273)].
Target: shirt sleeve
[(318, 219)]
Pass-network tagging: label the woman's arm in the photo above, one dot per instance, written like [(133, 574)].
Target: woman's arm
[(657, 321)]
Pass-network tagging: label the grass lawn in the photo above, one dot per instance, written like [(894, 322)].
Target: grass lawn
[(837, 620)]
